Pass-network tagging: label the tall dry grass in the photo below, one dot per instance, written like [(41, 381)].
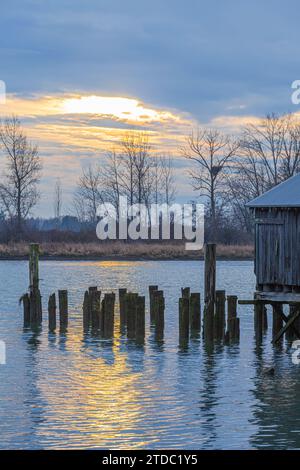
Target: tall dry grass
[(122, 250)]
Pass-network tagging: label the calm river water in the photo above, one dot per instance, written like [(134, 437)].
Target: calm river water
[(71, 391)]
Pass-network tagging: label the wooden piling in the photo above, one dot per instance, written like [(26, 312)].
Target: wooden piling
[(259, 315), (95, 309), (152, 289), (184, 312), (277, 318), (130, 312), (209, 290), (185, 292), (86, 311), (63, 309), (233, 322), (219, 318), (122, 293), (140, 319), (108, 315), (26, 310), (159, 312), (234, 329), (52, 312), (93, 289), (195, 313), (34, 292)]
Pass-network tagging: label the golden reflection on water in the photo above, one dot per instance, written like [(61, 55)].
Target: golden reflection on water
[(105, 263), (104, 395)]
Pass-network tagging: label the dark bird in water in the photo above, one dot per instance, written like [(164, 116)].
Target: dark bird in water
[(269, 371)]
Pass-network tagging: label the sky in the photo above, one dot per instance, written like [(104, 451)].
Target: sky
[(81, 73)]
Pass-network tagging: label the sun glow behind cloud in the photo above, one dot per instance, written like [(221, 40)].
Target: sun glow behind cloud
[(126, 109), (83, 121)]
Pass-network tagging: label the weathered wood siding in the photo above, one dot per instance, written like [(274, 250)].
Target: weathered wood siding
[(277, 248)]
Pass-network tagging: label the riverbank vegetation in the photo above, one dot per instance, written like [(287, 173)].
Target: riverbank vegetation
[(118, 250)]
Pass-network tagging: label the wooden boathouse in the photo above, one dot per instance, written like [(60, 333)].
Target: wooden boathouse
[(277, 258), (277, 242)]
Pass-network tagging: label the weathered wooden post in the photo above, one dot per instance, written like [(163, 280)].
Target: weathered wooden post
[(108, 314), (277, 318), (185, 292), (259, 319), (140, 319), (152, 289), (26, 310), (86, 311), (195, 313), (122, 293), (130, 312), (219, 319), (233, 322), (159, 313), (52, 312), (184, 313), (209, 290), (63, 309), (35, 295), (95, 307)]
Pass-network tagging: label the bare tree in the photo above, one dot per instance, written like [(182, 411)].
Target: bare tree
[(271, 149), (113, 177), (269, 153), (89, 193), (57, 198), (211, 152), (18, 188), (135, 149), (167, 179)]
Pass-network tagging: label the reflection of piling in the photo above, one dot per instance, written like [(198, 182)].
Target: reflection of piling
[(184, 314), (152, 289), (52, 312), (140, 319), (195, 313), (63, 309), (209, 290), (219, 318), (122, 293)]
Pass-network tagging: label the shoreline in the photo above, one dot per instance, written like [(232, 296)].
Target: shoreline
[(122, 258)]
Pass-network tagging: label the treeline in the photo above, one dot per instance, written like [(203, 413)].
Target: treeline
[(225, 173)]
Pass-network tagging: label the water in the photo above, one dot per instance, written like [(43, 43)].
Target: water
[(71, 391)]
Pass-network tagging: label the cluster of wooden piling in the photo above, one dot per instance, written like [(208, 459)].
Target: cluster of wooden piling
[(98, 313), (219, 323)]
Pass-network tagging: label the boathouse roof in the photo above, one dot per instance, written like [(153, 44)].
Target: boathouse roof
[(286, 194)]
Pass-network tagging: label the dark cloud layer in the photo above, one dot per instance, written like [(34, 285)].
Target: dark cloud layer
[(208, 58)]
